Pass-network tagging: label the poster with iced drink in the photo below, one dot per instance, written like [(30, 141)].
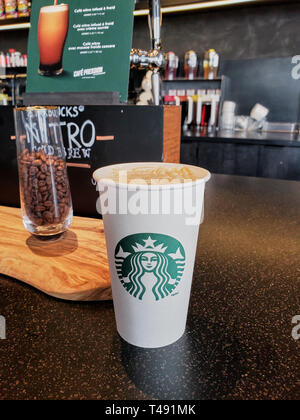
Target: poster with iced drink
[(80, 46)]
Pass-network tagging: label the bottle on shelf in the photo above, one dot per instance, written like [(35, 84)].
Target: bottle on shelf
[(10, 9), (2, 60), (23, 8), (8, 61), (190, 65), (12, 59), (12, 55), (210, 64), (2, 10), (172, 66), (24, 60)]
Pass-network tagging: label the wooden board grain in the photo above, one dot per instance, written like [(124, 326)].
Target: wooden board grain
[(72, 267)]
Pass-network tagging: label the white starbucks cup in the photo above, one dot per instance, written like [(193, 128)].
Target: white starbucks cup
[(151, 237)]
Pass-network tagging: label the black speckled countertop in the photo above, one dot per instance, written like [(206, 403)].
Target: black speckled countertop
[(238, 343)]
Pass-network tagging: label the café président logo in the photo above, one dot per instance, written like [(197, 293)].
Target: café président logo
[(89, 73)]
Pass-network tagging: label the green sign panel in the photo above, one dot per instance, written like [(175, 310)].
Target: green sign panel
[(80, 46)]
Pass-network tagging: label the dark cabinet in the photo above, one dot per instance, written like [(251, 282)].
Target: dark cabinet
[(243, 159), (189, 153), (279, 162)]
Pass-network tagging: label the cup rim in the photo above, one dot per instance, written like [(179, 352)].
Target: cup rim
[(65, 5), (204, 179)]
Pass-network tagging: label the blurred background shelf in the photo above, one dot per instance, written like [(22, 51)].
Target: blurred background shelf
[(14, 24)]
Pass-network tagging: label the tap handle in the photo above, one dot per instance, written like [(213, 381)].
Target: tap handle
[(156, 87), (154, 21)]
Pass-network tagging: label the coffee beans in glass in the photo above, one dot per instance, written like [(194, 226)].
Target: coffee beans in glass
[(44, 186)]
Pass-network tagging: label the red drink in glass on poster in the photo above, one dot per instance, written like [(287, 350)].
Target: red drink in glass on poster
[(52, 34)]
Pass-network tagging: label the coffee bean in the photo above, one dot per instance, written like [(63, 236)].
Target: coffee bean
[(26, 162), (38, 221), (44, 168), (48, 216), (33, 171), (37, 162), (39, 208)]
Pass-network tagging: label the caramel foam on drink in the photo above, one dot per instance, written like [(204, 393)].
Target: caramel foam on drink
[(153, 175), (54, 8)]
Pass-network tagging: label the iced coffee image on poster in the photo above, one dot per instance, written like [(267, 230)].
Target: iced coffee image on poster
[(52, 33)]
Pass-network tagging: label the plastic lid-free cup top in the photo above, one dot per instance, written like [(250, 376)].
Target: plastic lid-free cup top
[(259, 112), (151, 175)]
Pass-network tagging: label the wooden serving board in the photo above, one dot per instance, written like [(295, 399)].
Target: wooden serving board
[(72, 267)]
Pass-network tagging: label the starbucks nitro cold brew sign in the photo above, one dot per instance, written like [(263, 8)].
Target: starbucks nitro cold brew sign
[(150, 264), (80, 46)]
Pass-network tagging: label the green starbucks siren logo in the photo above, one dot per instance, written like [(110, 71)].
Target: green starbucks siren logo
[(149, 264)]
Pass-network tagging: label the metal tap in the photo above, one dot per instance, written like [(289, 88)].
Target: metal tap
[(154, 59)]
